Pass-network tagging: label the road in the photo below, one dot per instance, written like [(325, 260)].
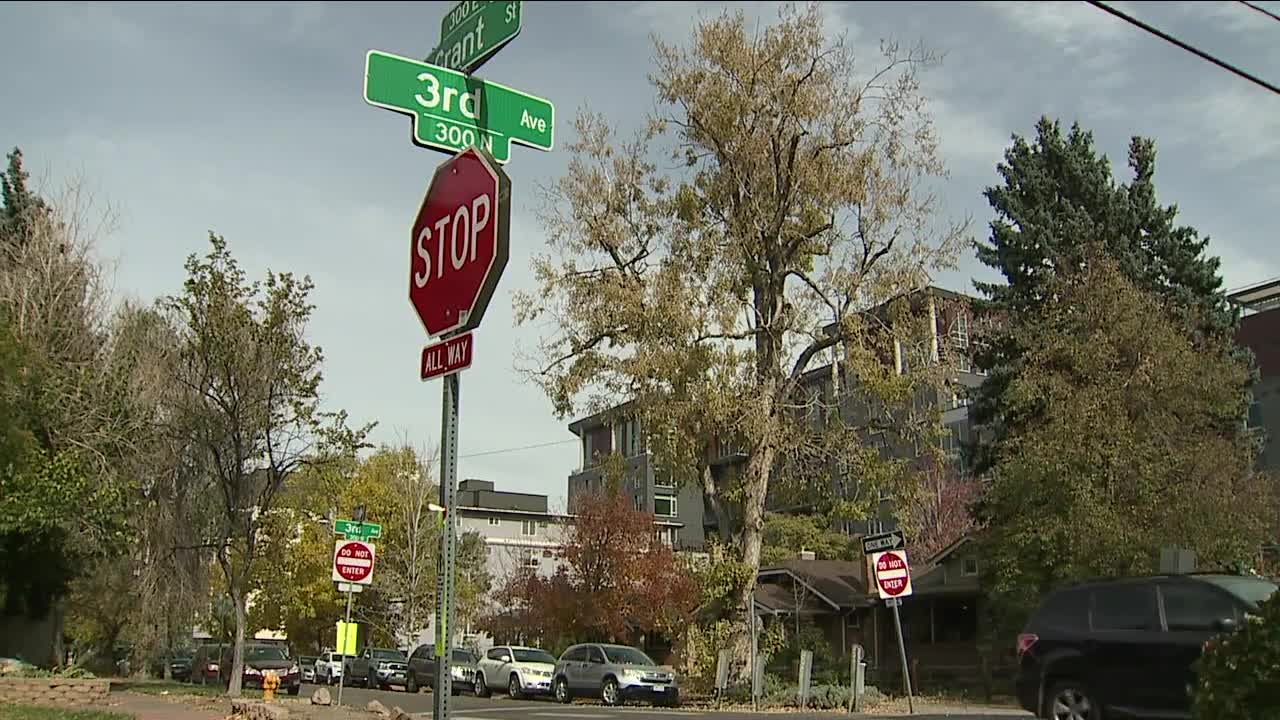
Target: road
[(499, 707)]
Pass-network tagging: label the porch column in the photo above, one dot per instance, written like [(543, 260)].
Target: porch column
[(932, 602)]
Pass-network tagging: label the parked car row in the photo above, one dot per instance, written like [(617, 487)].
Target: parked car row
[(211, 664)]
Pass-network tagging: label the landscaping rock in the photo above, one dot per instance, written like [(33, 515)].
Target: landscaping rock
[(256, 710), (376, 707), (321, 697), (398, 714)]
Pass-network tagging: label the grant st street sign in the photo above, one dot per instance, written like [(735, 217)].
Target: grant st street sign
[(452, 111), (474, 30)]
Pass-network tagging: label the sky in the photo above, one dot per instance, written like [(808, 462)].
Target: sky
[(248, 120)]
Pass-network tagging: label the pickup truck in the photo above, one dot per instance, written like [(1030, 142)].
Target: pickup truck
[(377, 667), (520, 671)]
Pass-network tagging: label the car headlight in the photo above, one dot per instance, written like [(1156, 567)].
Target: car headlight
[(251, 671), (293, 670)]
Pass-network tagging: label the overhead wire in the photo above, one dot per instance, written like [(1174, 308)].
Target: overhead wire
[(1189, 48), (1260, 9)]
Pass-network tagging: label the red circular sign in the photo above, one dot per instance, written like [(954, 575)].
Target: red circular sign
[(353, 561), (892, 573), (459, 244)]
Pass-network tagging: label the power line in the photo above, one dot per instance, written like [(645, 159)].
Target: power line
[(535, 446), (1195, 51), (1260, 9)]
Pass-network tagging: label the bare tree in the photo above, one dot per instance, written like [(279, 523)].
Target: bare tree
[(249, 383)]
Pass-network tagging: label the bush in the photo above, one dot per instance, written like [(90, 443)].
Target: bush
[(1238, 676)]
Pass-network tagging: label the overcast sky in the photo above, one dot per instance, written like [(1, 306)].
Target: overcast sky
[(248, 120)]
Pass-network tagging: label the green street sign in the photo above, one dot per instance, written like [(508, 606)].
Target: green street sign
[(474, 30), (453, 111), (357, 531)]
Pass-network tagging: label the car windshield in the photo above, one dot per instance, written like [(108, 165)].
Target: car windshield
[(462, 656), (1250, 589), (265, 653), (627, 656), (307, 660), (394, 655), (534, 656)]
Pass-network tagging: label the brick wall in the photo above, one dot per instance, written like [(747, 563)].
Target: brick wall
[(53, 691)]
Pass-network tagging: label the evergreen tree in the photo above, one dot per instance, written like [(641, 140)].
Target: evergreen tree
[(1059, 195), (17, 203)]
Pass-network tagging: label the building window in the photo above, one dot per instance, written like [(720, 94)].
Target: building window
[(664, 505), (529, 558), (669, 536), (639, 503), (951, 442), (494, 521), (964, 363), (663, 481), (960, 330), (968, 567), (529, 527)]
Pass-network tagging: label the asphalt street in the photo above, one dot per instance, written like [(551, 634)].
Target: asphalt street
[(500, 707)]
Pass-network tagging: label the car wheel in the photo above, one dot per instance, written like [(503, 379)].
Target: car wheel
[(295, 689), (479, 686), (513, 687), (562, 690), (609, 692), (410, 684), (371, 682), (1070, 700)]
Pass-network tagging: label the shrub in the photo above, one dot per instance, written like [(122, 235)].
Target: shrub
[(1238, 676)]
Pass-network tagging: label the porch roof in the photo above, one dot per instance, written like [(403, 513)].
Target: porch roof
[(838, 584)]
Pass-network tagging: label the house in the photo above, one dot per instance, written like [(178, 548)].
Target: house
[(1260, 332)]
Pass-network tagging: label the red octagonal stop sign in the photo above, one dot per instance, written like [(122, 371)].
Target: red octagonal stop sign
[(460, 242)]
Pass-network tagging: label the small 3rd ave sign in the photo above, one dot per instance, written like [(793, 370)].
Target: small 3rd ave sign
[(353, 562), (893, 574)]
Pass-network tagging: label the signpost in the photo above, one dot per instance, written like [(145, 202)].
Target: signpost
[(453, 111), (353, 559), (474, 30), (893, 581), (459, 243)]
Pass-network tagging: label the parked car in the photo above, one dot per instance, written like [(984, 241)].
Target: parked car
[(378, 667), (614, 673), (258, 660), (205, 664), (1126, 646), (307, 663), (422, 670), (518, 670), (329, 668)]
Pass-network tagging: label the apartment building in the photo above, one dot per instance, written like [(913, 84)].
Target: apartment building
[(519, 529), (948, 339), (1260, 332), (678, 509)]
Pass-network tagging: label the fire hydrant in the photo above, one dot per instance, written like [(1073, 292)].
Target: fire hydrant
[(270, 682)]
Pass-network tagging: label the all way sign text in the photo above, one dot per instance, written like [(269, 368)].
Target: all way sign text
[(447, 357)]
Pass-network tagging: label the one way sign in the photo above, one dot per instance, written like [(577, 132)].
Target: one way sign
[(872, 544)]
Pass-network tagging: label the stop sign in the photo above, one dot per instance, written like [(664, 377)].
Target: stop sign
[(460, 242), (893, 574), (353, 562)]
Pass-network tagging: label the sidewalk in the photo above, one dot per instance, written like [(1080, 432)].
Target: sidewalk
[(188, 707)]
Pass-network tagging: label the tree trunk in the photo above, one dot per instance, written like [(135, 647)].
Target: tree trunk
[(712, 494), (756, 488), (237, 652)]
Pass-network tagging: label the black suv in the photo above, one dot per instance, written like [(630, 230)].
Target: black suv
[(1125, 647)]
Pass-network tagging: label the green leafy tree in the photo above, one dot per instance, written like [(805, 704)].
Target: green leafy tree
[(786, 535), (1057, 197), (707, 292), (1144, 445), (251, 405)]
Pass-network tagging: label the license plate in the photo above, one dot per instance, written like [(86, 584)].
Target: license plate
[(659, 688)]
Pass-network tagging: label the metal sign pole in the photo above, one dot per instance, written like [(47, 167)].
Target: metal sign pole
[(751, 624), (445, 600), (346, 629), (902, 654)]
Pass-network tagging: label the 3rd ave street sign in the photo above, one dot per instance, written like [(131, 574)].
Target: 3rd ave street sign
[(453, 111), (872, 544), (474, 30), (357, 530)]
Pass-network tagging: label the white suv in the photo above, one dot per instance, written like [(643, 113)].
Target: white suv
[(328, 668), (519, 671)]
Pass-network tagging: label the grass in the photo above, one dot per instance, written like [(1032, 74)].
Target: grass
[(32, 712), (169, 687)]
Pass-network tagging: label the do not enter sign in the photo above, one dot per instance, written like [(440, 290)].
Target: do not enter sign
[(893, 574), (460, 242), (353, 562)]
